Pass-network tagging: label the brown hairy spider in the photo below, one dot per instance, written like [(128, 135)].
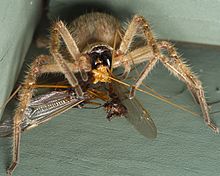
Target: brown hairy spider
[(73, 47)]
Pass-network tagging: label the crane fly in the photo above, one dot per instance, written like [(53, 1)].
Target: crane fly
[(44, 107)]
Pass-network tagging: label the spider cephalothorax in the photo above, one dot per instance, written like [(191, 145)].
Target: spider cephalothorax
[(100, 57)]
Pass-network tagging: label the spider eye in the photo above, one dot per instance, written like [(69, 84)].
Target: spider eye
[(101, 55)]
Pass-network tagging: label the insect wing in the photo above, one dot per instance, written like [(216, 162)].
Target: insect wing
[(6, 128), (43, 108), (137, 115)]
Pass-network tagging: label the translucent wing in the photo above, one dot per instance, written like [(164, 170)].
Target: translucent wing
[(137, 115), (43, 108)]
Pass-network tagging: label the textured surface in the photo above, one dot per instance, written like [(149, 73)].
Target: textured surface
[(83, 142), (18, 20)]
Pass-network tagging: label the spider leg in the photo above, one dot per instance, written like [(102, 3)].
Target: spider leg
[(59, 29), (176, 66), (140, 22), (72, 47), (68, 74), (173, 63), (126, 41), (25, 95), (52, 67), (134, 57)]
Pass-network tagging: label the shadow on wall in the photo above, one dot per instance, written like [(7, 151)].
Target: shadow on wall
[(69, 12)]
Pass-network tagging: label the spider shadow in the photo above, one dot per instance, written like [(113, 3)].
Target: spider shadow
[(71, 11)]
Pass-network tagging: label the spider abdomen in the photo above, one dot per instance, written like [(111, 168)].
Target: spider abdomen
[(94, 27)]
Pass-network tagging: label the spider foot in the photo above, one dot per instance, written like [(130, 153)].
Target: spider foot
[(11, 168), (212, 126)]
